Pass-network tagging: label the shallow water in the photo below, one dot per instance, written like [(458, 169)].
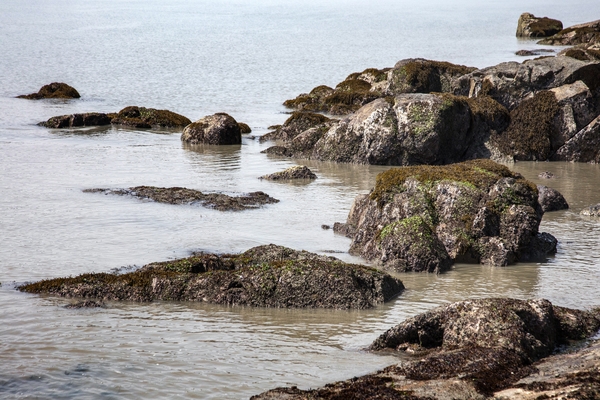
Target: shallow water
[(243, 58)]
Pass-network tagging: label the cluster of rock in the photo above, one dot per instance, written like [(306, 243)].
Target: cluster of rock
[(474, 349), (180, 195), (264, 276), (425, 218), (431, 112)]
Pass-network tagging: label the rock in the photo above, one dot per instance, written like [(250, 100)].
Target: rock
[(584, 146), (277, 151), (591, 211), (536, 52), (265, 276), (551, 199), (296, 172), (423, 218), (218, 128), (471, 349), (179, 195), (55, 90), (141, 117), (297, 123), (325, 227), (510, 83), (546, 175), (576, 34), (86, 304), (532, 26), (583, 52), (77, 120), (244, 128)]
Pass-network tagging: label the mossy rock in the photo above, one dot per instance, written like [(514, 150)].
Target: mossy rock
[(424, 76), (55, 90), (142, 117)]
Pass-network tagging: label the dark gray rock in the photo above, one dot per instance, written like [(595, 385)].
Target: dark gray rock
[(220, 129), (584, 146), (551, 199)]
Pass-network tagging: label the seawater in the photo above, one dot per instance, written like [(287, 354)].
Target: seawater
[(244, 58)]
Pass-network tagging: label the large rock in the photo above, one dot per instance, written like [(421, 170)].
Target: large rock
[(551, 199), (265, 276), (142, 117), (218, 128), (471, 349), (584, 146), (531, 26), (576, 34), (55, 90), (424, 218)]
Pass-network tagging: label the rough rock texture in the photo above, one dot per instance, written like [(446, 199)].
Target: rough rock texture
[(591, 211), (576, 34), (471, 349), (406, 130), (296, 124), (532, 26), (86, 304), (584, 146), (423, 218), (141, 117), (536, 52), (408, 76), (551, 199), (218, 128), (179, 195), (265, 276), (296, 172), (77, 120), (55, 90)]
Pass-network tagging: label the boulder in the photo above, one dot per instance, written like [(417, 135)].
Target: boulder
[(78, 120), (218, 128), (179, 195), (532, 26), (141, 117), (584, 146), (297, 123), (591, 211), (265, 276), (577, 34), (244, 128), (424, 218), (55, 90), (296, 172), (551, 199)]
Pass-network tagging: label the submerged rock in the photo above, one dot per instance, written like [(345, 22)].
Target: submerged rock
[(427, 217), (296, 172), (179, 195), (218, 128), (551, 199), (591, 211), (536, 52), (86, 304), (532, 26), (55, 90), (265, 276), (546, 175), (471, 349)]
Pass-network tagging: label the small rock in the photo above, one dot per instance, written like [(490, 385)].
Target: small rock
[(326, 227), (55, 90), (591, 211), (546, 175), (551, 199), (296, 172), (536, 52)]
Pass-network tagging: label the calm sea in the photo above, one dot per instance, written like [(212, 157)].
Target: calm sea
[(244, 58)]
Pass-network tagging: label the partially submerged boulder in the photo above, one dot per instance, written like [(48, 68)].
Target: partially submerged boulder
[(55, 90), (424, 218), (551, 199), (531, 26), (295, 172), (265, 276), (244, 128), (179, 195), (78, 120), (586, 33), (220, 129), (535, 52), (297, 123), (591, 211)]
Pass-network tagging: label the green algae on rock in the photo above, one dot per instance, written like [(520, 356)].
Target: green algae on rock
[(180, 195), (265, 276), (424, 218), (54, 90)]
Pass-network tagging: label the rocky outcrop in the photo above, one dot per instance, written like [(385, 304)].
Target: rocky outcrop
[(55, 90), (218, 128), (471, 349), (265, 276), (137, 117), (296, 172), (179, 195), (584, 146), (532, 26), (423, 218), (551, 199), (576, 34), (591, 211)]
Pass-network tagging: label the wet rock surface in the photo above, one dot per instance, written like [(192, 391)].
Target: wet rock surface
[(179, 195), (265, 276), (86, 304), (424, 218), (551, 199), (219, 129), (54, 90), (591, 211), (532, 26), (295, 172), (477, 349)]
